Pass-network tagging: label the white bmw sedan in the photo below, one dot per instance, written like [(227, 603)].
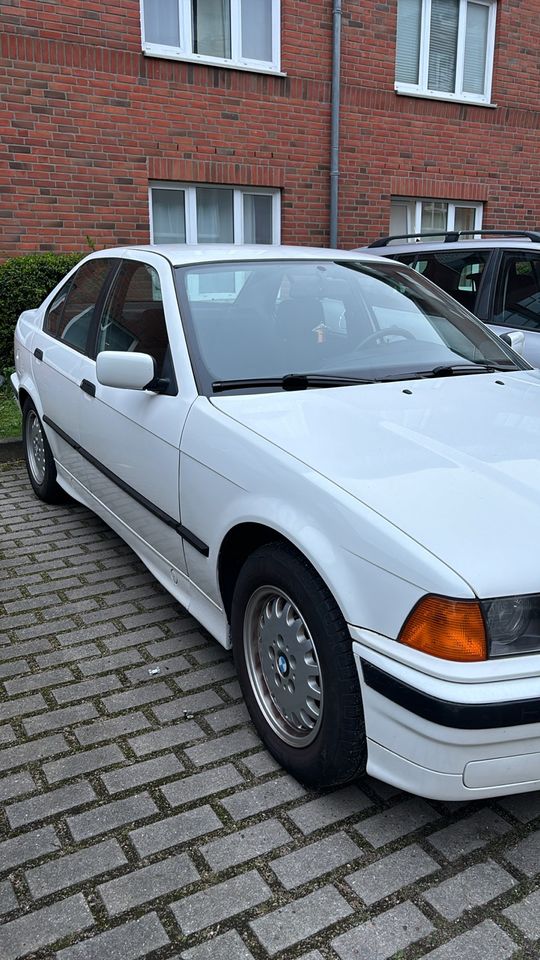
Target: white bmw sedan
[(336, 469)]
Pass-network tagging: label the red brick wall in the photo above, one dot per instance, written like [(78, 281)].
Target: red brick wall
[(90, 120)]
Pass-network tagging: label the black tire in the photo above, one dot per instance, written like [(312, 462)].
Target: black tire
[(38, 457), (335, 750)]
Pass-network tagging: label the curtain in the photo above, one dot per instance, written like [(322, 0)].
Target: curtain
[(212, 28), (257, 218), (214, 215), (161, 23), (168, 216)]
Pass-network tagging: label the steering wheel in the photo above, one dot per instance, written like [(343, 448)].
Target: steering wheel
[(378, 336)]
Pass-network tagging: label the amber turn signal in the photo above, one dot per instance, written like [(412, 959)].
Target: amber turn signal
[(451, 629)]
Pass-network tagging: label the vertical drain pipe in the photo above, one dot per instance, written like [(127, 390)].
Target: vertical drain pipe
[(334, 135)]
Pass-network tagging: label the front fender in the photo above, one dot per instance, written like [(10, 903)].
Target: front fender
[(230, 476)]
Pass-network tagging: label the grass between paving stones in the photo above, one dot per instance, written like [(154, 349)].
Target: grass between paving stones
[(10, 415)]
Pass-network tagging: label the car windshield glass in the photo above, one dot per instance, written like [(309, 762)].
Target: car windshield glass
[(266, 320)]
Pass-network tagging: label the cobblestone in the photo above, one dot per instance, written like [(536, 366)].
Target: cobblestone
[(48, 804), (469, 834), (220, 901), (201, 785), (244, 845), (266, 796), (329, 809), (44, 927), (174, 830), (384, 935), (145, 803), (300, 919), (137, 774), (398, 821), (135, 939), (393, 872), (315, 860), (148, 883), (75, 868), (484, 940), (108, 816), (470, 888)]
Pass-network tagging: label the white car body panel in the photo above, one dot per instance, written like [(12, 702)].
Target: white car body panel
[(392, 491), (460, 446)]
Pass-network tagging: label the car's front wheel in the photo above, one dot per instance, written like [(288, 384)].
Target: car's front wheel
[(39, 458), (294, 659)]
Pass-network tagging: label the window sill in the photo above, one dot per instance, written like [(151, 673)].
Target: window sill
[(212, 62), (446, 98)]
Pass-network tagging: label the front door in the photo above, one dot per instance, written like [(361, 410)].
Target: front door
[(131, 438)]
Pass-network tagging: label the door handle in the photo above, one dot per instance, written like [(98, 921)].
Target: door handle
[(38, 353), (88, 388)]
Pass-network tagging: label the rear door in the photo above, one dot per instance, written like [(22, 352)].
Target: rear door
[(461, 273), (61, 361)]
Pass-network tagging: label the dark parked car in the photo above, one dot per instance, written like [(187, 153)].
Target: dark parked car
[(495, 274)]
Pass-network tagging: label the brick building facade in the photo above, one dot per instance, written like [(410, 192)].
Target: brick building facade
[(91, 121)]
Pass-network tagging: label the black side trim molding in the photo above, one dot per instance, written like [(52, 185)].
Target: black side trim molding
[(459, 716), (38, 353), (151, 507)]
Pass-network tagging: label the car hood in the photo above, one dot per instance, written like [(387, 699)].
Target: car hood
[(454, 462)]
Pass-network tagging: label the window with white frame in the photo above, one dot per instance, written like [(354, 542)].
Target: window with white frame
[(418, 216), (188, 213), (241, 33), (445, 48)]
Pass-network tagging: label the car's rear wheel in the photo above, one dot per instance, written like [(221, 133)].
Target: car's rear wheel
[(39, 458), (294, 658)]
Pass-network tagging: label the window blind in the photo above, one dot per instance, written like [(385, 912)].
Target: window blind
[(443, 45)]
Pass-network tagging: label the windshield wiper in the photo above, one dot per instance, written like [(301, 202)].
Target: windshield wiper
[(291, 381), (453, 369)]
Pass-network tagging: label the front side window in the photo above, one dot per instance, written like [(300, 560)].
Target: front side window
[(133, 318), (207, 214), (420, 216), (517, 299), (69, 316), (445, 48), (242, 33), (275, 318)]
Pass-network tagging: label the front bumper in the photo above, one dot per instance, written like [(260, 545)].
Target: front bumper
[(14, 381), (445, 739)]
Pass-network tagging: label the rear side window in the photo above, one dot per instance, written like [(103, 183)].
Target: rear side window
[(457, 272), (517, 300), (71, 313)]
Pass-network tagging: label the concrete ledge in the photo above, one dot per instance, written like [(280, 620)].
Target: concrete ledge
[(11, 449)]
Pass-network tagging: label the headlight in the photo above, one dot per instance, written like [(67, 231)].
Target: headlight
[(468, 630), (512, 625)]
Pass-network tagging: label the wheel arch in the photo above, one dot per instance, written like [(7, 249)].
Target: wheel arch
[(239, 542)]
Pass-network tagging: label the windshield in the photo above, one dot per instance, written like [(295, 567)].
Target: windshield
[(266, 320)]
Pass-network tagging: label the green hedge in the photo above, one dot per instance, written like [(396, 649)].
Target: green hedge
[(24, 283)]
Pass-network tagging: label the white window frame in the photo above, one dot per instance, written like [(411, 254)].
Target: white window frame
[(421, 89), (414, 212), (235, 61), (190, 207)]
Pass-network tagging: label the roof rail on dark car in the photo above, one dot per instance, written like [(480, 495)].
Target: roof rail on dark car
[(452, 236)]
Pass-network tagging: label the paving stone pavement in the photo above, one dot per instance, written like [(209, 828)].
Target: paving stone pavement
[(140, 815)]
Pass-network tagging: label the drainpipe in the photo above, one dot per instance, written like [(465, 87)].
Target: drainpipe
[(334, 136)]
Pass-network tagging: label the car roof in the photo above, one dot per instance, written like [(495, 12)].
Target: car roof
[(440, 246), (185, 254)]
